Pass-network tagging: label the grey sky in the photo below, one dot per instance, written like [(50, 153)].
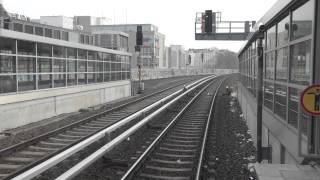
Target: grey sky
[(174, 18)]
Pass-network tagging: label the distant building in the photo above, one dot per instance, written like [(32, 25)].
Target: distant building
[(177, 57), (85, 22), (112, 40), (153, 42), (58, 21), (203, 58)]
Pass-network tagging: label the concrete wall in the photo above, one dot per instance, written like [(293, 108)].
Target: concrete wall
[(275, 132), (28, 107)]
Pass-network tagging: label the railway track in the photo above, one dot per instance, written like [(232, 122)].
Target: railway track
[(167, 144), (177, 153), (18, 158)]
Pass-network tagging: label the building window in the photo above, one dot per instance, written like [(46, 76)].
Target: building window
[(59, 80), (71, 79), (271, 38), (72, 65), (44, 81), (28, 29), (268, 95), (44, 65), (270, 65), (82, 66), (7, 84), (92, 55), (293, 107), (72, 53), (81, 38), (300, 66), (26, 82), (59, 65), (38, 31), (283, 31), (86, 39), (56, 34), (48, 32), (18, 27), (82, 54), (7, 46), (26, 65), (106, 66), (107, 77), (7, 64), (91, 66), (65, 36), (281, 101), (59, 51), (282, 64), (26, 48), (91, 78), (82, 78), (302, 20), (44, 50)]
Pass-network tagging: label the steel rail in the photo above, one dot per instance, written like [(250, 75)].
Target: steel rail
[(133, 168), (204, 141), (75, 170), (47, 164)]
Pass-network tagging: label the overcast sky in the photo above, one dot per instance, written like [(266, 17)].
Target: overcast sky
[(175, 18)]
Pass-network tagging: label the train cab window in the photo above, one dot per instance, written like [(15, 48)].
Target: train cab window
[(302, 20)]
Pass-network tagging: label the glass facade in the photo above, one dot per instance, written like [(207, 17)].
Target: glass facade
[(28, 66), (287, 65)]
